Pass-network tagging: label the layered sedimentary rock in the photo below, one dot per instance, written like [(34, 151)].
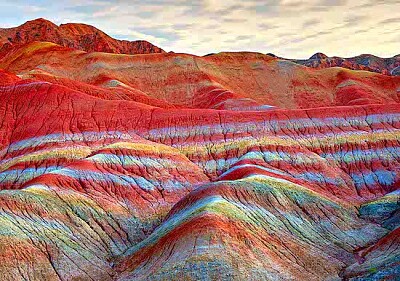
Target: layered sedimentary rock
[(117, 167), (230, 81)]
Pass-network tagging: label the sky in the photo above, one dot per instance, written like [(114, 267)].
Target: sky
[(287, 28)]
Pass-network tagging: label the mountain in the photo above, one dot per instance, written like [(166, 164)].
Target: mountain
[(73, 35), (168, 166), (387, 66), (234, 81)]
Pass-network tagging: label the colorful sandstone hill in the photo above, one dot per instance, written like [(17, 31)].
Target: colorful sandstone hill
[(233, 166)]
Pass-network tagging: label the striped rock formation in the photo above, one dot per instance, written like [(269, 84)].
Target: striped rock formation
[(118, 167), (225, 81)]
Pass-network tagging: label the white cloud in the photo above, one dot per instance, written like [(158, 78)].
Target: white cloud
[(289, 28)]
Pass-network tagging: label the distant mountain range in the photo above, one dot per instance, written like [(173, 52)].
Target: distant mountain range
[(90, 39), (387, 66)]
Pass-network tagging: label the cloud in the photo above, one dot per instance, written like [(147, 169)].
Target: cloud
[(292, 3), (319, 34), (310, 22), (243, 37), (186, 26), (234, 20), (288, 28), (390, 21), (355, 19), (266, 25), (395, 40), (333, 2), (160, 32)]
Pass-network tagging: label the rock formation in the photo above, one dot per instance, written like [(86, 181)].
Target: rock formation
[(387, 66), (233, 166), (72, 35)]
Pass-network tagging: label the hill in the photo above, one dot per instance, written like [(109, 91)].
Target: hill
[(72, 35), (232, 166), (387, 66)]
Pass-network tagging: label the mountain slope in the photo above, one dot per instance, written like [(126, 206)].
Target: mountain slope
[(231, 81), (233, 166), (86, 183)]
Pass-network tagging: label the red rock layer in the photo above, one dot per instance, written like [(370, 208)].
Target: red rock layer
[(230, 81), (72, 35)]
